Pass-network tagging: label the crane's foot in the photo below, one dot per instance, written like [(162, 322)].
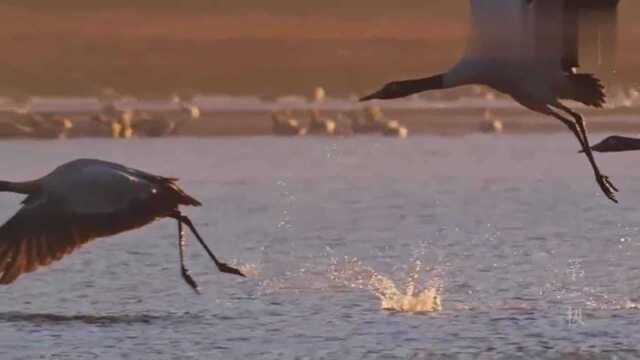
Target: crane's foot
[(189, 280), (229, 269), (607, 187)]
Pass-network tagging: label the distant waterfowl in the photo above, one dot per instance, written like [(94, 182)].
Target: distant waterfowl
[(158, 125), (623, 97), (48, 126), (491, 124), (106, 126), (367, 121), (393, 128), (528, 49), (110, 110), (283, 123), (13, 129), (114, 121), (355, 119), (372, 120), (191, 110), (321, 125), (126, 123), (155, 125), (344, 125), (87, 199), (319, 94), (617, 143)]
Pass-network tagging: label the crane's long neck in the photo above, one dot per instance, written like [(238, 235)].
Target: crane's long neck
[(27, 187), (435, 82), (399, 89)]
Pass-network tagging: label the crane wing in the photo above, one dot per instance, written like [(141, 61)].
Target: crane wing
[(599, 33), (570, 33), (554, 34), (37, 235), (81, 201), (499, 29), (46, 228)]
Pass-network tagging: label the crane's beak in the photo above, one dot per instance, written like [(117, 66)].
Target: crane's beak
[(595, 148), (375, 95)]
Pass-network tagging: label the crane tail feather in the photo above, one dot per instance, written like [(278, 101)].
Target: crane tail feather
[(586, 89)]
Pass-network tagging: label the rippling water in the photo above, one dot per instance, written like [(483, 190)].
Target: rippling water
[(501, 246)]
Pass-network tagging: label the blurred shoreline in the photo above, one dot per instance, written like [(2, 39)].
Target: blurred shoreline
[(252, 116)]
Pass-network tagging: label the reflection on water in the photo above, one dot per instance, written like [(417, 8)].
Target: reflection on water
[(413, 298), (91, 319)]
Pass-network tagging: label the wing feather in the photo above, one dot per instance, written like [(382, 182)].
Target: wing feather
[(499, 29), (71, 212), (571, 33), (6, 249), (37, 236), (32, 258), (13, 267), (599, 34), (548, 30)]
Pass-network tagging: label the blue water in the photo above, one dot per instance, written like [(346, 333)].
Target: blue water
[(532, 261)]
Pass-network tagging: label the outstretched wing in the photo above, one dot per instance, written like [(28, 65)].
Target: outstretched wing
[(499, 29), (553, 34), (598, 34), (38, 234), (571, 33), (82, 200)]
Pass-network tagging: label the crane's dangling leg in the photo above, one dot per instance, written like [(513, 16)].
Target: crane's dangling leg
[(185, 273), (223, 267), (583, 129), (603, 181)]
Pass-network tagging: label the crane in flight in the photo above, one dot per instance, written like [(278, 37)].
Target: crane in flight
[(86, 199), (529, 49)]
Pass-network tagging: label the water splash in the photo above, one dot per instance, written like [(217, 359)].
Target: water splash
[(353, 273), (422, 288), (249, 270)]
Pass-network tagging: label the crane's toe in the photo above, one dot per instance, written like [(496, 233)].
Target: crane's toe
[(607, 187), (608, 181), (229, 269), (189, 280)]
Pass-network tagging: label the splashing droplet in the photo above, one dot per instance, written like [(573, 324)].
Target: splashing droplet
[(353, 273)]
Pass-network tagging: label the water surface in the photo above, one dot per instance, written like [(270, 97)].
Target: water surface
[(528, 258)]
